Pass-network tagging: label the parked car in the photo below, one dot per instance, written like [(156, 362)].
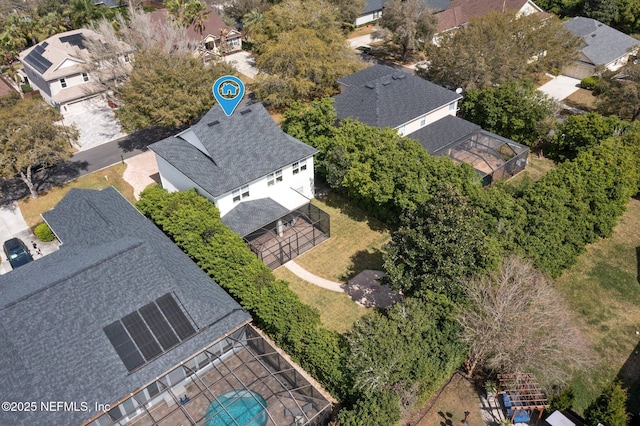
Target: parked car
[(17, 253)]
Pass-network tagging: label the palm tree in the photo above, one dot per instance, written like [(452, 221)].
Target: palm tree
[(251, 21)]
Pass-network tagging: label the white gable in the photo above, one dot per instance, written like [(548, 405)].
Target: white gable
[(69, 63)]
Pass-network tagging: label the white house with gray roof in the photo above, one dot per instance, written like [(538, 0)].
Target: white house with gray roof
[(119, 326), (373, 9), (57, 68), (382, 96), (260, 178), (602, 46)]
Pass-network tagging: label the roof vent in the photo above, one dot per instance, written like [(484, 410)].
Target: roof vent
[(245, 111), (593, 35), (370, 86), (600, 25), (213, 123), (386, 82), (399, 76)]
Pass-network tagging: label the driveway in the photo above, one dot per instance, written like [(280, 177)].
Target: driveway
[(560, 87), (364, 40), (96, 127), (244, 62)]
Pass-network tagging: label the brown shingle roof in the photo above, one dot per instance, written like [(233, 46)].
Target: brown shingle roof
[(461, 11), (212, 27)]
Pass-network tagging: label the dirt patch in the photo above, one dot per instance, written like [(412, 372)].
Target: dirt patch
[(582, 99)]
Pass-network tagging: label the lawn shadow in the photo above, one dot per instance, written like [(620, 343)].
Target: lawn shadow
[(362, 260), (446, 418), (638, 264), (347, 207), (629, 376), (14, 189)]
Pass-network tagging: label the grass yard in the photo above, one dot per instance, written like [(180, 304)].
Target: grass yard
[(355, 244), (448, 409), (112, 176), (337, 311), (582, 99), (536, 168), (604, 292)]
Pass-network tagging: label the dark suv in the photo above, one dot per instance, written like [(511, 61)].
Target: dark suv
[(16, 252)]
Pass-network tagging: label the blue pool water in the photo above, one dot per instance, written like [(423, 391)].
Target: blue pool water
[(241, 407)]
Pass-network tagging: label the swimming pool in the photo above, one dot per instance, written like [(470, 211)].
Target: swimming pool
[(237, 407)]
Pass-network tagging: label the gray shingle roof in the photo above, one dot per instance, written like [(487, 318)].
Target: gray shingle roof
[(385, 97), (248, 216), (53, 310), (602, 44), (444, 132), (372, 6), (240, 149)]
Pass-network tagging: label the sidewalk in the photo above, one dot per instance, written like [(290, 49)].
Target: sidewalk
[(313, 279)]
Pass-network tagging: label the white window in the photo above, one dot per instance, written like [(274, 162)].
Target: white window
[(63, 83), (126, 57), (299, 166), (423, 121), (240, 193), (85, 77), (273, 178), (401, 130), (452, 107)]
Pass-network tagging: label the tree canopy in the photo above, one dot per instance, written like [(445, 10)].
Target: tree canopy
[(618, 93), (167, 90), (610, 407), (437, 244), (410, 24), (497, 48), (517, 322), (515, 110), (30, 139), (300, 52)]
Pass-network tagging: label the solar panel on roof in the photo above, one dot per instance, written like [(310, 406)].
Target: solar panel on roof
[(175, 316), (159, 326), (37, 61), (74, 40), (141, 335), (44, 44), (123, 345), (39, 48)]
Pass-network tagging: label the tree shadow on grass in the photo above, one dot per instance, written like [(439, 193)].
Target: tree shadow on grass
[(348, 208), (364, 259), (629, 376), (43, 180)]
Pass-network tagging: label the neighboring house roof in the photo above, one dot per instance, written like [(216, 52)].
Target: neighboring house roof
[(375, 5), (212, 26), (385, 97), (238, 149), (444, 132), (62, 54), (53, 311), (602, 44), (249, 216), (111, 3), (460, 12)]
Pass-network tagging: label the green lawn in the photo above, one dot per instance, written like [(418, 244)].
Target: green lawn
[(449, 407), (355, 244), (31, 208), (604, 292), (337, 311)]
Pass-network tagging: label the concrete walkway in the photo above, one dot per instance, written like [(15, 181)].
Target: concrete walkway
[(141, 171), (364, 40), (560, 87), (313, 279)]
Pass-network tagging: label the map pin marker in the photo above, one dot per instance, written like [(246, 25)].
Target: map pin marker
[(228, 91)]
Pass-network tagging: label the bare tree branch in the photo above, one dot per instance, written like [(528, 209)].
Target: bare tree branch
[(517, 322)]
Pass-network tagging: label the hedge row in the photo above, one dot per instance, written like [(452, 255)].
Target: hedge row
[(194, 225)]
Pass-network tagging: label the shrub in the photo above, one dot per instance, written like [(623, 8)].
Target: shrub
[(589, 83), (26, 88), (193, 223), (44, 233)]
